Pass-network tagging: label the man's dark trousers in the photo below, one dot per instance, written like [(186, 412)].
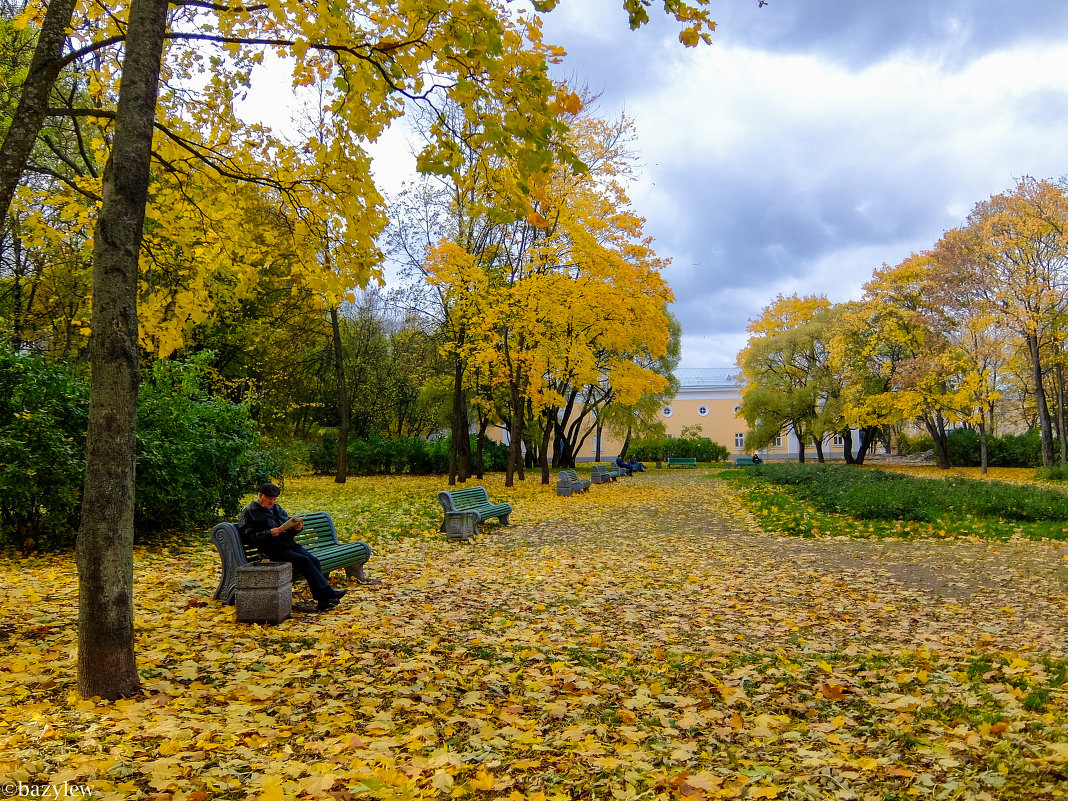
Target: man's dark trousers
[(304, 563)]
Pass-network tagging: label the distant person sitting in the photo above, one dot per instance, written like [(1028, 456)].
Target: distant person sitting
[(635, 464), (621, 463), (756, 458), (262, 524)]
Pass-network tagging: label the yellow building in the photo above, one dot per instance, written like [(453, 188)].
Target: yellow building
[(710, 397)]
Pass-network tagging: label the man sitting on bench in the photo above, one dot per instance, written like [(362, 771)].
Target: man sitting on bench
[(262, 525)]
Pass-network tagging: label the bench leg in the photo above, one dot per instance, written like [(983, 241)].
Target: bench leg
[(360, 575)]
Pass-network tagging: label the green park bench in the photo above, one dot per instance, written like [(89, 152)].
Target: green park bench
[(318, 536), (466, 508), (744, 461), (603, 473), (682, 461), (570, 483)]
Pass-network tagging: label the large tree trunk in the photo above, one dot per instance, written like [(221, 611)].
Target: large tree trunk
[(982, 446), (936, 427), (847, 446), (1044, 425), (515, 445), (342, 401), (817, 443), (106, 662), (800, 446), (33, 101), (459, 468)]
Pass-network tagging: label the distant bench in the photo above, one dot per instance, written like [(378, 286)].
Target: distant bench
[(571, 483), (603, 474), (682, 461), (466, 508), (745, 461), (318, 535)]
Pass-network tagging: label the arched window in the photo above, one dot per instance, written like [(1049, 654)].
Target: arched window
[(667, 411)]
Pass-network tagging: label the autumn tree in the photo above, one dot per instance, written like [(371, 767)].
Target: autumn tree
[(785, 365), (1019, 240)]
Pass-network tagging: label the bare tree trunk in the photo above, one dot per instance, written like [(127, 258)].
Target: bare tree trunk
[(1062, 435), (515, 445), (800, 447), (106, 661), (33, 101), (1044, 426), (847, 446), (982, 446), (817, 443), (344, 423)]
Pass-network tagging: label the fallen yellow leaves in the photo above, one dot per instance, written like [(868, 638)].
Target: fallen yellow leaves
[(595, 649)]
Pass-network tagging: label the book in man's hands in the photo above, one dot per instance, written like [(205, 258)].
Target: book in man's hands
[(290, 522)]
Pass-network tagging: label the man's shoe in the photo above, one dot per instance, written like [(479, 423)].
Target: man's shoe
[(326, 603), (339, 594)]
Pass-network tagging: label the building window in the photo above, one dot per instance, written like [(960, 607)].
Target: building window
[(737, 409), (739, 442), (778, 442), (837, 440), (703, 411), (668, 411)]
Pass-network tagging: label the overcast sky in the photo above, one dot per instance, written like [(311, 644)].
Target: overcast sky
[(817, 139)]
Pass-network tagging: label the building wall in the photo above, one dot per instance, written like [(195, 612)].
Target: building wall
[(710, 399)]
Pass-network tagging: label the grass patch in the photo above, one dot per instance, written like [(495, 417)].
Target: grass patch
[(808, 500)]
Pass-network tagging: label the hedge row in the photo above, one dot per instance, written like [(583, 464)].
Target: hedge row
[(380, 456)]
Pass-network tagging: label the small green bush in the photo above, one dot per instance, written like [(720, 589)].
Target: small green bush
[(43, 418), (195, 451)]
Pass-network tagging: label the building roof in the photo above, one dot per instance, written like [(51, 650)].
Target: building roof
[(707, 377)]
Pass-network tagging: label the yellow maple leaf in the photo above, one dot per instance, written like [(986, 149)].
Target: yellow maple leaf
[(483, 780), (766, 791)]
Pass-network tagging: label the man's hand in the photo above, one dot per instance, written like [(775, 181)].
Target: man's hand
[(299, 526)]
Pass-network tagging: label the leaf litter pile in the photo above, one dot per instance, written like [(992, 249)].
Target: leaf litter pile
[(642, 641)]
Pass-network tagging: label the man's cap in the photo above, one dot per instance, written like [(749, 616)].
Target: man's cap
[(270, 490)]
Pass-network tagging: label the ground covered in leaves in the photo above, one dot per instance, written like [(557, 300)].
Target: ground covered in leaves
[(643, 641)]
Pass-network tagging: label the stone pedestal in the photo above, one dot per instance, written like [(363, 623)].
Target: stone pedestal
[(264, 592), (563, 488), (461, 526)]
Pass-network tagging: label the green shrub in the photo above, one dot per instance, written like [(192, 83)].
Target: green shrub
[(43, 417), (650, 449), (322, 455), (882, 495), (195, 454)]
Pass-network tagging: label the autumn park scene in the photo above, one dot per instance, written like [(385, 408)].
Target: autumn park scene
[(314, 489)]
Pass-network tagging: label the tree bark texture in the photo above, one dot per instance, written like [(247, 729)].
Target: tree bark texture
[(106, 660), (33, 101), (1045, 427)]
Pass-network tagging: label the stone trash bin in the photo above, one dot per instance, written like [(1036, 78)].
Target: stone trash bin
[(462, 526), (563, 488), (264, 592)]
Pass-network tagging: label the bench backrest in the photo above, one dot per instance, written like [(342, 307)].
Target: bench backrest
[(569, 475), (466, 498), (318, 531)]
